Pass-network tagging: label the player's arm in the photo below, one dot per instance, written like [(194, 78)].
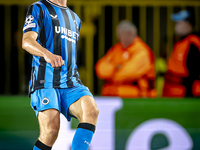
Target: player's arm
[(133, 69), (30, 44), (104, 67)]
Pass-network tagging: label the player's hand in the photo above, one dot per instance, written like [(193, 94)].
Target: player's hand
[(118, 66), (54, 60)]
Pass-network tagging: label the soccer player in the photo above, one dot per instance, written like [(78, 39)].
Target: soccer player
[(51, 34)]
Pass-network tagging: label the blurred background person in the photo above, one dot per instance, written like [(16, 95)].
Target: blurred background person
[(183, 68), (128, 66)]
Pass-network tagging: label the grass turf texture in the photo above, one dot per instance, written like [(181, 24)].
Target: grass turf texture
[(18, 124), (186, 112), (19, 127)]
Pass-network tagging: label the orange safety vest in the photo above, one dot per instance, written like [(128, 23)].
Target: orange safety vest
[(121, 68), (177, 69)]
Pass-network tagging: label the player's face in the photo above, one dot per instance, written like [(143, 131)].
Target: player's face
[(183, 28), (126, 38)]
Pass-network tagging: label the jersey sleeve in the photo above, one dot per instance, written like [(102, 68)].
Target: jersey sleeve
[(79, 22), (33, 19)]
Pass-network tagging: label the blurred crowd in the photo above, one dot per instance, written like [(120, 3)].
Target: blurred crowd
[(129, 67)]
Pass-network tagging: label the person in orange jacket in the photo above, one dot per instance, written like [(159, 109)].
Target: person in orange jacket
[(128, 66), (183, 74)]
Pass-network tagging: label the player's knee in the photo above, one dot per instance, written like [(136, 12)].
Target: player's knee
[(96, 112), (93, 113), (52, 132)]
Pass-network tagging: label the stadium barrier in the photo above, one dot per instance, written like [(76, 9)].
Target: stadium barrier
[(98, 33)]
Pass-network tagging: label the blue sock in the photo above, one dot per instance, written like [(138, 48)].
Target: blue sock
[(40, 146), (83, 136), (36, 148)]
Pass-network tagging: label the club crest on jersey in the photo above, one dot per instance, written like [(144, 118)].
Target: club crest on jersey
[(28, 22), (45, 101)]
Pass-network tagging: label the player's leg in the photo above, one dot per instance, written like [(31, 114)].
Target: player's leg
[(49, 123), (85, 109), (46, 103)]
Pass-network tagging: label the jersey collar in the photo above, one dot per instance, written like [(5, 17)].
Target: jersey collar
[(56, 4)]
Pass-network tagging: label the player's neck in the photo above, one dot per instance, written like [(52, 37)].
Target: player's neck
[(60, 2)]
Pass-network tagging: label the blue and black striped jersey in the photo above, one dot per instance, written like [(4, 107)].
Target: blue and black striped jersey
[(58, 31)]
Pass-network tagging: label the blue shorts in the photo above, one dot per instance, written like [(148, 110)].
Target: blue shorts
[(59, 99)]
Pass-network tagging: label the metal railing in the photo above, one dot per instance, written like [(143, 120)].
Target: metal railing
[(94, 14)]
